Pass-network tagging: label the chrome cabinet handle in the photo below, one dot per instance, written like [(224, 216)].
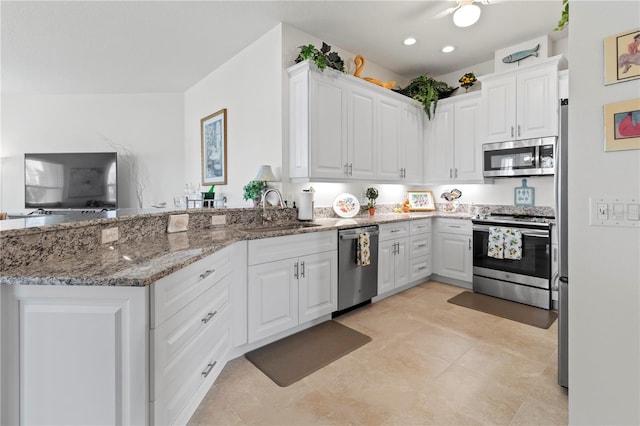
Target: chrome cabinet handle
[(421, 268), (208, 317), (511, 131), (455, 173), (518, 130), (207, 370), (422, 245), (206, 273), (454, 226), (350, 169), (450, 173), (346, 168), (295, 273), (469, 243), (394, 230), (302, 269)]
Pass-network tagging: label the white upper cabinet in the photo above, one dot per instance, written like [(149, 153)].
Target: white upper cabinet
[(318, 125), (521, 104), (343, 128), (389, 144), (412, 144), (361, 159), (453, 152)]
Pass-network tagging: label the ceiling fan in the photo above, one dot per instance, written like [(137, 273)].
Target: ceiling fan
[(465, 13)]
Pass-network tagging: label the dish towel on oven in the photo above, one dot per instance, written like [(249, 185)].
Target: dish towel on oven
[(512, 244), (363, 254), (504, 243)]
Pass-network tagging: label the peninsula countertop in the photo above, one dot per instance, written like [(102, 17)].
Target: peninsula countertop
[(142, 262)]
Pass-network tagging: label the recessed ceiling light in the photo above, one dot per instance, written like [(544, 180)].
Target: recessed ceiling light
[(448, 49), (409, 41)]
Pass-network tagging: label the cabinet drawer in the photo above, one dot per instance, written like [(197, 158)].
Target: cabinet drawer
[(420, 267), (420, 245), (172, 293), (454, 226), (169, 374), (393, 230), (420, 226), (174, 337), (278, 248), (201, 369)]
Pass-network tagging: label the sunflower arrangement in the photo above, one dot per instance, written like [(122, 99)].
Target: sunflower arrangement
[(467, 80)]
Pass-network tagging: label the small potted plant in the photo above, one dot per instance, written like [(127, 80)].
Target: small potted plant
[(253, 191), (372, 195)]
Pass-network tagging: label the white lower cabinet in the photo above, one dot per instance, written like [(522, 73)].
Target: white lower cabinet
[(78, 355), (191, 333), (393, 256), (453, 249), (420, 249), (291, 280), (74, 355)]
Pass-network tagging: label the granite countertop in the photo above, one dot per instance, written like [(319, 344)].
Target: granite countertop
[(140, 263)]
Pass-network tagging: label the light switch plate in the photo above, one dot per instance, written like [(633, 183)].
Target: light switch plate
[(622, 211), (178, 223)]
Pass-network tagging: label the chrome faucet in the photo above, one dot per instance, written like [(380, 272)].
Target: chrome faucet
[(264, 202)]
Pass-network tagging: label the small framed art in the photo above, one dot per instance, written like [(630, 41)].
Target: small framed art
[(622, 125), (213, 135), (622, 57), (421, 200)]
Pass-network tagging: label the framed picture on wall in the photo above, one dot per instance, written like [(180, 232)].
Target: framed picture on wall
[(213, 134), (421, 200), (622, 125), (622, 57)]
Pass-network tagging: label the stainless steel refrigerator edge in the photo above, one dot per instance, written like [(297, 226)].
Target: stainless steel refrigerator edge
[(561, 187)]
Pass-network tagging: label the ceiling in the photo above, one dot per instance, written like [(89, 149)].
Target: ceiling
[(167, 46)]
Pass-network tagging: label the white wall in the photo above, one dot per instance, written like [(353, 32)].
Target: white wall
[(604, 274), (149, 125), (249, 87)]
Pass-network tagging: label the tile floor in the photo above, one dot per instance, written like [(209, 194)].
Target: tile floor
[(430, 363)]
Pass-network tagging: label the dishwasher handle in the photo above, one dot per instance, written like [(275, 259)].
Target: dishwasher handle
[(355, 236)]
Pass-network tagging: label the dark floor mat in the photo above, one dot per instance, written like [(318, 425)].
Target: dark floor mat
[(290, 359), (515, 311)]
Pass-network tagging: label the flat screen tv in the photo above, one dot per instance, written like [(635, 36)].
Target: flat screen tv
[(77, 180)]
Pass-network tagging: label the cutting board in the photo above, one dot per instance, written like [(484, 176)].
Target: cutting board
[(524, 195)]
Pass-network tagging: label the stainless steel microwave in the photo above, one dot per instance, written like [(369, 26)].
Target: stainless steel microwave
[(531, 157)]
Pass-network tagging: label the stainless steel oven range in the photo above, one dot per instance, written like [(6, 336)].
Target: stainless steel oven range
[(524, 277)]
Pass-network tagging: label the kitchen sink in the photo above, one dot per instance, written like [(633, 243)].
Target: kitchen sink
[(280, 228)]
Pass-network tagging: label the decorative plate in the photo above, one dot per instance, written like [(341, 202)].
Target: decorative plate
[(346, 205)]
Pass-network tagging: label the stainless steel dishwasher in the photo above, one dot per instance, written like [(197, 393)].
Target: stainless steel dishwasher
[(356, 283)]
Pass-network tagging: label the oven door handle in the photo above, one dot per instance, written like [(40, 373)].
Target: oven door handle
[(525, 231)]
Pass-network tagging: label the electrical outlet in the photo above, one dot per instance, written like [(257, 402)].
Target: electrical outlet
[(109, 235), (178, 223), (219, 219)]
